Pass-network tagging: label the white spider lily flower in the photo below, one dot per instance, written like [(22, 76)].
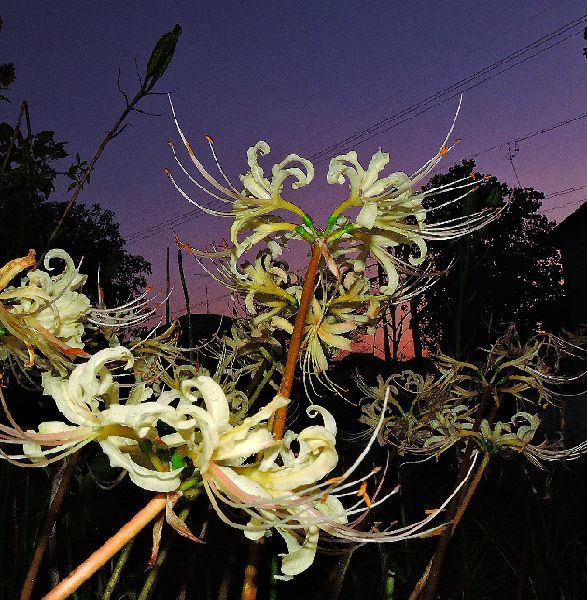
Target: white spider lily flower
[(45, 312), (135, 311), (223, 459), (392, 213), (89, 400), (363, 183), (321, 330), (260, 196), (221, 441), (286, 490), (266, 490), (52, 301), (387, 195), (258, 186)]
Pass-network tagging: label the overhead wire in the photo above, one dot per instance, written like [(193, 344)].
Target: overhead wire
[(201, 303), (148, 232), (453, 90), (143, 234), (564, 191), (566, 205), (533, 134), (386, 124)]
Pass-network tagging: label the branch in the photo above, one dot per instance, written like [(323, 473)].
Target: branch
[(43, 541), (23, 108), (159, 60)]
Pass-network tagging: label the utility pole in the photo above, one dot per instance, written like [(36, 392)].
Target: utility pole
[(386, 347), (167, 292)]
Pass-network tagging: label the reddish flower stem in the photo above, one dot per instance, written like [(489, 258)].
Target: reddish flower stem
[(51, 518), (278, 425), (251, 578), (101, 556)]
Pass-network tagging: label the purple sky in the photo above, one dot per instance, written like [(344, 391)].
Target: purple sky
[(302, 76)]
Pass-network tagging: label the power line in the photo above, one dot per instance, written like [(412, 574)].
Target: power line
[(202, 303), (143, 234), (565, 205), (453, 90), (386, 124), (564, 191), (531, 135)]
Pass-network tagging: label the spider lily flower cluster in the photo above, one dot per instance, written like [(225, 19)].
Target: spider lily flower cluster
[(170, 427), (240, 465), (427, 415), (43, 320), (44, 313), (381, 215)]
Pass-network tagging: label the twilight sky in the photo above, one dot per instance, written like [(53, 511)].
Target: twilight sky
[(303, 76)]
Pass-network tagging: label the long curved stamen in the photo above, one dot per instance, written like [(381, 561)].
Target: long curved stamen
[(197, 163), (215, 213)]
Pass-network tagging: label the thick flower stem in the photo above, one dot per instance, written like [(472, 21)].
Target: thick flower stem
[(101, 556), (251, 578), (250, 584), (278, 426), (428, 584)]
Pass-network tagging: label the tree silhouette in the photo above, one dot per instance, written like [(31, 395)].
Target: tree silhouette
[(509, 271), (28, 218), (7, 74)]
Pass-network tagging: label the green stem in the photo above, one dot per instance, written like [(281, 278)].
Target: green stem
[(273, 584), (186, 296), (389, 587), (149, 586), (115, 577), (336, 580), (266, 379)]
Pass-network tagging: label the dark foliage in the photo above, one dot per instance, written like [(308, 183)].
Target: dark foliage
[(29, 168), (7, 74), (509, 271)]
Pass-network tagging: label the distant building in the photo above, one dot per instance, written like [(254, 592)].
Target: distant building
[(571, 239)]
